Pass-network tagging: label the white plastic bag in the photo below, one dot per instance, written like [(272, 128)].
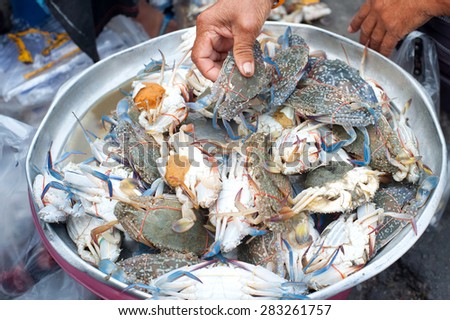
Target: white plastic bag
[(26, 268), (418, 56), (31, 87)]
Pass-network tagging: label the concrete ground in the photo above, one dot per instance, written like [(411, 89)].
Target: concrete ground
[(423, 272)]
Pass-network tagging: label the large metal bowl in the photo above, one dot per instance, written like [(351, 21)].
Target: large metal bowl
[(85, 93)]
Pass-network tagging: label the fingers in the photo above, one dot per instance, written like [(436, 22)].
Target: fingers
[(376, 37), (367, 28), (243, 53), (388, 44), (208, 54), (229, 24), (358, 18)]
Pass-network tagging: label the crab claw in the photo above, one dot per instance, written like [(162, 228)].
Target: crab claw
[(291, 258), (113, 270), (96, 232), (425, 189), (230, 130), (284, 39), (122, 110), (248, 125), (215, 250), (106, 119), (284, 214), (177, 274), (269, 61), (183, 225), (204, 100), (156, 189), (152, 66), (319, 270)]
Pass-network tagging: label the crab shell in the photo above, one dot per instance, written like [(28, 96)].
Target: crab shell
[(356, 187), (149, 220), (145, 267), (281, 253), (343, 248)]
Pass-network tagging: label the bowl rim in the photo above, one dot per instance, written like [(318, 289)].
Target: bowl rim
[(374, 267)]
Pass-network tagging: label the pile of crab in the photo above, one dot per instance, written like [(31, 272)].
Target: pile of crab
[(315, 172)]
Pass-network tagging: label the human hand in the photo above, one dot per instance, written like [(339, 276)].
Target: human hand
[(229, 24), (384, 23)]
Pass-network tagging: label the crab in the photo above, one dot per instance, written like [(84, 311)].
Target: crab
[(193, 174), (394, 147), (150, 220), (339, 74), (271, 191), (299, 150), (331, 105), (343, 192), (401, 203), (232, 214), (281, 252), (288, 66), (94, 239), (160, 98), (221, 280), (232, 93), (343, 247)]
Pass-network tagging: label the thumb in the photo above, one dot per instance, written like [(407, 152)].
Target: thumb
[(243, 53)]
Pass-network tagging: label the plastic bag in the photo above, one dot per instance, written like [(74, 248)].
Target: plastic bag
[(418, 56), (25, 264), (57, 286), (31, 87)]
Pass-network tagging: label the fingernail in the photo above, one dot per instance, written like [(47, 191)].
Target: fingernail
[(350, 29), (248, 68)]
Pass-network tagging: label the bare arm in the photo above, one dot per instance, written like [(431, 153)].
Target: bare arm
[(383, 23)]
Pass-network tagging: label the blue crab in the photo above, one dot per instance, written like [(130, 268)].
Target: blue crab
[(221, 279), (143, 268), (149, 220), (288, 66), (343, 247), (393, 147), (401, 203), (331, 105), (251, 195), (232, 93), (339, 74), (342, 190), (281, 251)]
